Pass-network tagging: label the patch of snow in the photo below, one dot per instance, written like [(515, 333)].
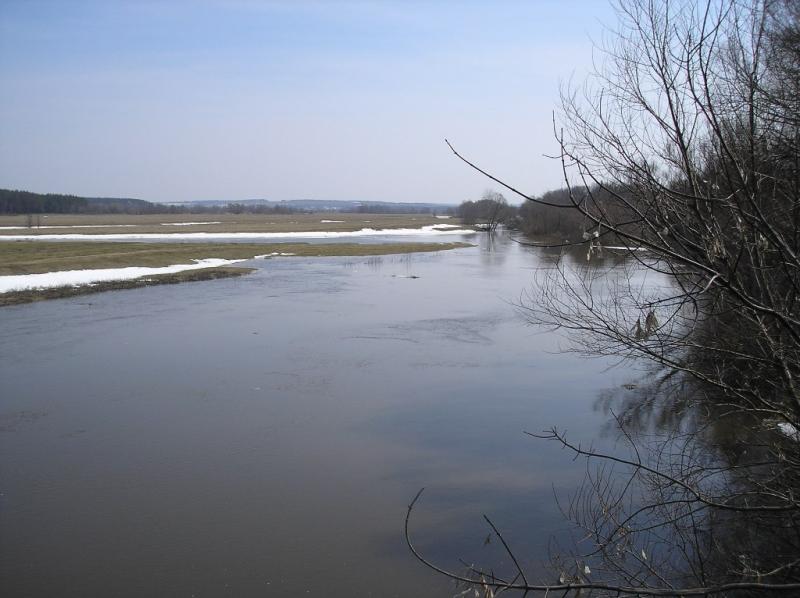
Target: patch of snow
[(329, 221), (626, 248), (22, 282), (434, 229), (789, 430), (273, 254), (113, 225), (443, 217), (71, 226), (187, 223)]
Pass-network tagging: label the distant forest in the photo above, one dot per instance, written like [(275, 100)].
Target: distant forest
[(551, 217), (26, 202), (535, 219)]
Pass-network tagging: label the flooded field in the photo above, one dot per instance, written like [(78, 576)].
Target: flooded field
[(262, 436)]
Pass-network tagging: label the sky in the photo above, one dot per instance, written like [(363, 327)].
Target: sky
[(227, 100)]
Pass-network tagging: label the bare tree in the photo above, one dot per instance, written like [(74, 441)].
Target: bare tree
[(683, 151), (488, 213), (497, 210)]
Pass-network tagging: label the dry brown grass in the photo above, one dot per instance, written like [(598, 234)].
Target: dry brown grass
[(251, 223)]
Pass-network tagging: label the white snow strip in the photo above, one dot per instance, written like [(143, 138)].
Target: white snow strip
[(329, 221), (186, 223), (273, 254), (443, 217), (65, 278), (112, 225), (71, 226), (444, 226), (435, 229), (626, 248), (789, 430)]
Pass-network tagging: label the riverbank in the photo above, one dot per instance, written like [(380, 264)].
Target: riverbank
[(32, 295), (32, 258)]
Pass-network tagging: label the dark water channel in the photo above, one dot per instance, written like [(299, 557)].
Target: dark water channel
[(262, 436)]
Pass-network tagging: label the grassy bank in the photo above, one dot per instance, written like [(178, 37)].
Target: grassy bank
[(18, 297), (31, 257)]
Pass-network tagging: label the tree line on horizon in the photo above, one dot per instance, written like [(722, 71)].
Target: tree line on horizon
[(18, 202)]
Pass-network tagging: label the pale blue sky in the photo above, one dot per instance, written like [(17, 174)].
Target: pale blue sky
[(182, 100)]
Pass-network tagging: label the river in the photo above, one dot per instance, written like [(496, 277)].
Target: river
[(263, 435)]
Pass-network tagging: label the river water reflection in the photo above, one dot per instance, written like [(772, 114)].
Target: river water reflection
[(262, 436)]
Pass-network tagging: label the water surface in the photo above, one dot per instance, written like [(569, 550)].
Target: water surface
[(262, 436)]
